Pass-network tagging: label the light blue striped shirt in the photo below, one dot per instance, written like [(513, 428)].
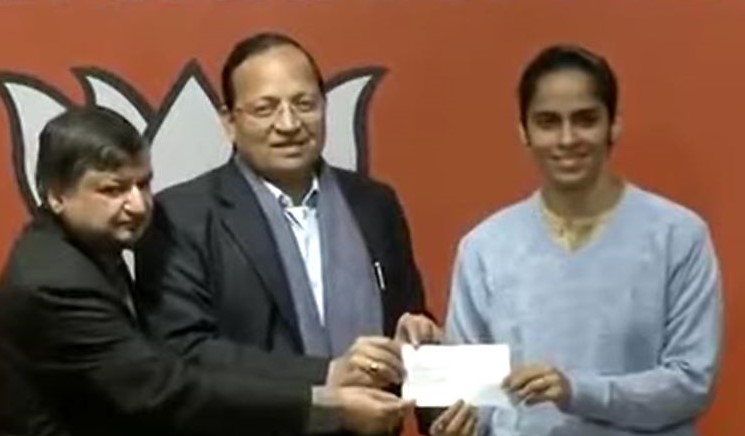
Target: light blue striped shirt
[(303, 220)]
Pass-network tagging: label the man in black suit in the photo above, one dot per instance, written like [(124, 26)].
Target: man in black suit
[(277, 261), (74, 361)]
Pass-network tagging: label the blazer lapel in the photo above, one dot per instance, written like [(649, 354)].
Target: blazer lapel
[(367, 215), (371, 213), (247, 224), (115, 278)]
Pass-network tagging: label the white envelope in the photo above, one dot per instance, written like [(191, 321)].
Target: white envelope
[(440, 375)]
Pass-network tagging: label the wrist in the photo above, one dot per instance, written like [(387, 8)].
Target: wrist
[(331, 374), (325, 412)]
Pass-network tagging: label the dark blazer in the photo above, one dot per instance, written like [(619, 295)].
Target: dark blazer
[(211, 282), (75, 362)]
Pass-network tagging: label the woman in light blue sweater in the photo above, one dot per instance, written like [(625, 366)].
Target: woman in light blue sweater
[(608, 295)]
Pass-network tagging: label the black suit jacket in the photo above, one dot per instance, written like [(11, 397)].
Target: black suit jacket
[(75, 362), (211, 282)]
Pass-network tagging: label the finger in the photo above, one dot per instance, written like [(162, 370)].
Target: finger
[(551, 393), (382, 341), (373, 357), (456, 424), (372, 372), (437, 335), (469, 428), (519, 381), (407, 334), (533, 387), (418, 333), (396, 415), (521, 376), (445, 417), (395, 410), (533, 398), (426, 331), (388, 402), (441, 422), (539, 386), (431, 333), (369, 372), (420, 330), (402, 330), (554, 393), (378, 352), (391, 371), (362, 378), (516, 379), (414, 333), (383, 396), (406, 404), (382, 344)]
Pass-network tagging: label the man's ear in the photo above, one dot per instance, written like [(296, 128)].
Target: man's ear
[(615, 129), (228, 122), (55, 200), (523, 134)]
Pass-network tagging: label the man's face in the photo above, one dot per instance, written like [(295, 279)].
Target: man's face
[(108, 208), (277, 123), (568, 130)]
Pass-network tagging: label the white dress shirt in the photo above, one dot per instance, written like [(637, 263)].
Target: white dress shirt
[(303, 220)]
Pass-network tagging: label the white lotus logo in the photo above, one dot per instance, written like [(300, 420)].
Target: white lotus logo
[(185, 132)]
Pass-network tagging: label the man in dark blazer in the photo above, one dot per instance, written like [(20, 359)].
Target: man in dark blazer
[(276, 261), (74, 361)]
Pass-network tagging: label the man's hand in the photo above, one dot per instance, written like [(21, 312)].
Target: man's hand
[(458, 420), (417, 330), (369, 411), (538, 383), (371, 361)]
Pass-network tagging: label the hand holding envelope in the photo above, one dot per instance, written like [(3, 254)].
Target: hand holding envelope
[(538, 383), (460, 419), (441, 375), (375, 361)]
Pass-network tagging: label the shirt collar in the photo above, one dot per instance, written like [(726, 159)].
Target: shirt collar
[(310, 199)]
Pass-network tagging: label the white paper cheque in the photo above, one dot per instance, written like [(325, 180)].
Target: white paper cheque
[(440, 375)]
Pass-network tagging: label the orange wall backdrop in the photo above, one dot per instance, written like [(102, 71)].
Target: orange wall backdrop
[(442, 121)]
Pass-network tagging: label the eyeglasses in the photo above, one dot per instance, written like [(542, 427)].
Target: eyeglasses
[(268, 110)]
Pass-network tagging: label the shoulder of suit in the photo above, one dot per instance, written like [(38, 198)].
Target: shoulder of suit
[(191, 199), (197, 196), (358, 183), (42, 259), (201, 185)]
